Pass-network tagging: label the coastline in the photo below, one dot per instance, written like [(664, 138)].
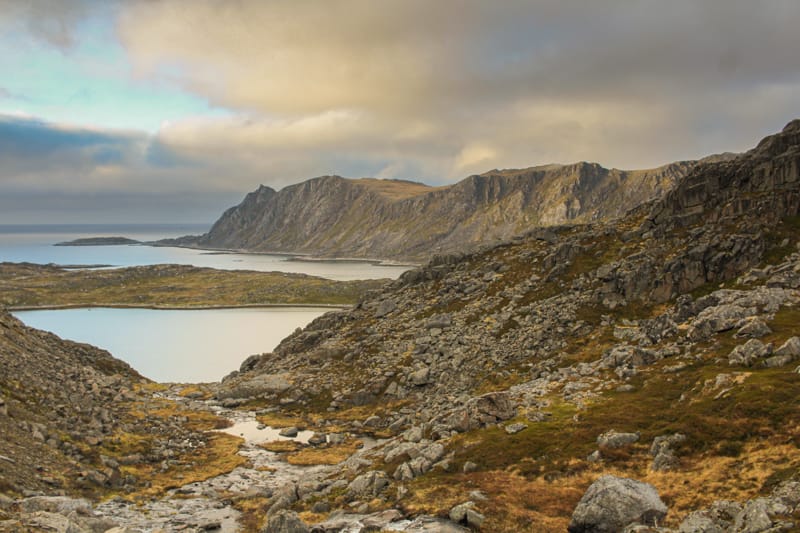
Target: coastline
[(291, 256), (13, 309)]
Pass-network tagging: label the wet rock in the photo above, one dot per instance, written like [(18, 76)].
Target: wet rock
[(284, 521), (612, 503), (289, 432), (379, 521)]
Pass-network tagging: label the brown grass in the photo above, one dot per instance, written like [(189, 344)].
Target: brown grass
[(327, 455)]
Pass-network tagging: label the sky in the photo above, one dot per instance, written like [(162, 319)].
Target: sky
[(171, 110)]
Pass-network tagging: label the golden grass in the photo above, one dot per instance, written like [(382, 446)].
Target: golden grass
[(253, 512), (218, 456), (171, 286), (280, 446), (282, 420), (326, 455)]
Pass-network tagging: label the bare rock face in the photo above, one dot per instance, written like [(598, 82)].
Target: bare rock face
[(368, 218), (612, 503)]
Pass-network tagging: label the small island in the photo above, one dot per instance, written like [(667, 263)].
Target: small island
[(99, 241)]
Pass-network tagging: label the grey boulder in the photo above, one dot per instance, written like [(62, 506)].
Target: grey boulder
[(611, 503)]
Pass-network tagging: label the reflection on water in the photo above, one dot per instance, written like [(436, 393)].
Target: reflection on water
[(255, 432), (176, 346)]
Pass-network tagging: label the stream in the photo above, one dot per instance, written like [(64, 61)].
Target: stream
[(205, 505)]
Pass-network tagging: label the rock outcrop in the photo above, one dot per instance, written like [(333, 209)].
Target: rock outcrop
[(367, 218)]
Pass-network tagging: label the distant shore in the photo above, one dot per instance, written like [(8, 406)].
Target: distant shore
[(171, 307)]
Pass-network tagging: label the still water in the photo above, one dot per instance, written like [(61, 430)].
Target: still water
[(181, 346), (34, 244)]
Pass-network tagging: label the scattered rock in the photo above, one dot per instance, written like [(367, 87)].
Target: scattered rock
[(284, 521), (753, 327), (612, 503), (367, 485), (289, 432), (612, 439), (512, 429), (748, 353), (384, 308)]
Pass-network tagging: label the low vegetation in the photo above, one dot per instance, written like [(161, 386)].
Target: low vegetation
[(30, 286)]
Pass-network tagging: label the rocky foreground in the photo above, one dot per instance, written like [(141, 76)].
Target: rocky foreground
[(640, 376)]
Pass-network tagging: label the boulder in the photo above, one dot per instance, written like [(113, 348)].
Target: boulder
[(479, 412), (753, 327), (612, 503), (791, 347), (513, 429), (290, 432), (284, 521), (662, 451), (430, 524), (613, 439), (420, 377), (466, 514), (253, 387), (367, 485), (384, 308), (748, 353)]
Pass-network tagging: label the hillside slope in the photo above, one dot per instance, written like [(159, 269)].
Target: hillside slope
[(660, 347), (368, 218)]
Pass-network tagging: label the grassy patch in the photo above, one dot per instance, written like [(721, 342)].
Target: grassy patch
[(170, 285), (326, 455)]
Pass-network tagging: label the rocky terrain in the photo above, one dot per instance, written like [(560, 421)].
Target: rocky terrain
[(332, 216), (661, 348), (639, 376), (30, 286)]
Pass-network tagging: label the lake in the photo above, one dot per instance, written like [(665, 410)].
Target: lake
[(181, 346), (34, 244), (166, 345)]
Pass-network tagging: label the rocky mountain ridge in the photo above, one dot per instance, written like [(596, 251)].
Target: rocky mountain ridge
[(659, 347), (636, 376), (331, 216)]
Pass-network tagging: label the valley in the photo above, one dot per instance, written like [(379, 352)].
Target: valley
[(637, 372)]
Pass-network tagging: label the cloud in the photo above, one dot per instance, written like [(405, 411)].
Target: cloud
[(52, 21), (628, 84), (412, 89)]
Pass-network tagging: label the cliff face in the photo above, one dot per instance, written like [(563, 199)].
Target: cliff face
[(338, 217)]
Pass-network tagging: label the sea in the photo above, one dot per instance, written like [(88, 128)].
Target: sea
[(188, 346)]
